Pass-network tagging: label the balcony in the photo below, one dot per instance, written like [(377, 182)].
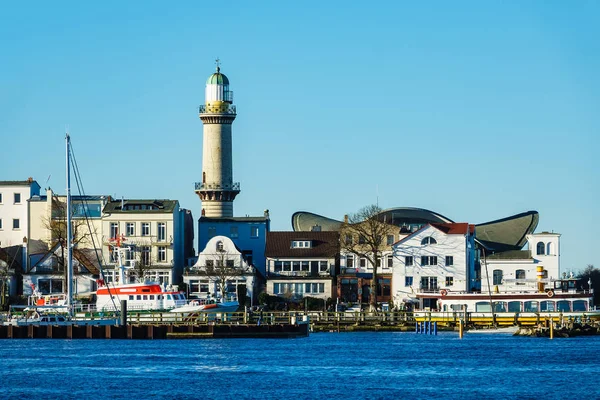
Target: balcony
[(303, 274), (205, 187), (221, 108)]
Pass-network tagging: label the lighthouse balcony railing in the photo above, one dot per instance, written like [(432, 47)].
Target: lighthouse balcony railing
[(216, 186), (217, 109)]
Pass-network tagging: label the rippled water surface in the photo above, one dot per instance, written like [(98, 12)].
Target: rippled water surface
[(325, 365)]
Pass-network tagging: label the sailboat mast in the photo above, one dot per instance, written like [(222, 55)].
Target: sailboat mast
[(69, 227)]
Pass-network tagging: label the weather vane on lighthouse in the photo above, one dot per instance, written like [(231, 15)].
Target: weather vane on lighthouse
[(218, 62)]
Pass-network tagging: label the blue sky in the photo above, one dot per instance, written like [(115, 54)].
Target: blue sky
[(477, 110)]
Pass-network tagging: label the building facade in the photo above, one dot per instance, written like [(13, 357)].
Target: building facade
[(154, 230), (302, 264), (518, 270), (14, 219), (436, 257), (221, 272)]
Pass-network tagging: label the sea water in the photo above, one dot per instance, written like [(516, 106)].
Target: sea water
[(368, 365)]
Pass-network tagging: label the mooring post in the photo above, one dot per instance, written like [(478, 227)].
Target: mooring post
[(551, 329), (123, 312), (460, 328), (435, 328)]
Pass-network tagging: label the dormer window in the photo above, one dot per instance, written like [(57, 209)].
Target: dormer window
[(301, 244), (428, 240), (220, 246)]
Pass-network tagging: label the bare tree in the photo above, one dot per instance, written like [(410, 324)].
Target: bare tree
[(56, 224), (364, 235), (224, 270), (143, 261)]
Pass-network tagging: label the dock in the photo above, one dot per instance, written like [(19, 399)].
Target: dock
[(148, 331)]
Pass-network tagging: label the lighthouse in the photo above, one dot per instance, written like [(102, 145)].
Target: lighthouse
[(217, 190)]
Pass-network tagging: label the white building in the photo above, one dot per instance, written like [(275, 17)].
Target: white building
[(436, 257), (14, 220), (221, 262), (517, 270)]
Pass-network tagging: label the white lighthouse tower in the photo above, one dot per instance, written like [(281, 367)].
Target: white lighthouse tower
[(217, 190)]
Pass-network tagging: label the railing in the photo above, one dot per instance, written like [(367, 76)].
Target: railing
[(292, 273), (235, 186), (222, 108)]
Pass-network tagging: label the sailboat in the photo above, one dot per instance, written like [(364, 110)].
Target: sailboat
[(58, 309)]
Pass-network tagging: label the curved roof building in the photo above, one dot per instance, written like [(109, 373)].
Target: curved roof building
[(500, 235)]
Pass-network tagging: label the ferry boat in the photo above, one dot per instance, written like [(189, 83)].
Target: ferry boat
[(139, 296), (559, 300)]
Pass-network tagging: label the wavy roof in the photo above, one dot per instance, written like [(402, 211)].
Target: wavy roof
[(499, 235)]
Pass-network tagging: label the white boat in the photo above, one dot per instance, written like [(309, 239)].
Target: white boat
[(207, 306), (509, 330), (560, 299)]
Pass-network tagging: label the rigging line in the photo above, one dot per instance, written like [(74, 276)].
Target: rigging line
[(81, 190)]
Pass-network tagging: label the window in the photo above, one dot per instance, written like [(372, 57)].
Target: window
[(449, 260), (278, 266), (130, 229), (497, 277), (0, 198), (408, 261), (390, 240), (287, 266), (449, 280), (254, 231), (390, 261), (210, 263), (145, 228), (212, 231), (230, 263), (428, 260), (0, 223), (348, 239), (428, 240), (304, 244), (220, 246), (233, 231), (363, 262), (540, 248), (520, 274), (276, 289), (305, 266), (16, 223), (361, 239), (408, 281), (17, 198), (429, 283), (384, 287), (48, 286), (145, 255), (114, 230), (162, 254), (349, 260), (323, 266), (549, 250), (162, 231)]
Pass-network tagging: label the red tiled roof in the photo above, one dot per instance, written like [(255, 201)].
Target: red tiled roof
[(324, 244)]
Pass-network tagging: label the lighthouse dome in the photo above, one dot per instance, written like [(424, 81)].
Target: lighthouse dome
[(217, 79)]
